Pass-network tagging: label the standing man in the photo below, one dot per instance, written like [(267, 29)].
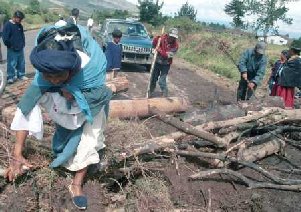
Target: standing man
[(14, 39), (74, 16), (166, 50), (252, 66)]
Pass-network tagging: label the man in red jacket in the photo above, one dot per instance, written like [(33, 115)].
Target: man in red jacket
[(166, 50)]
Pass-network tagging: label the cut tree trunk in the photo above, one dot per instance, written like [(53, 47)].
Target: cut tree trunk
[(258, 152), (126, 108), (143, 107)]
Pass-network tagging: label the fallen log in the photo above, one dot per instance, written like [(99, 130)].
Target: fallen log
[(126, 108), (142, 107), (258, 152)]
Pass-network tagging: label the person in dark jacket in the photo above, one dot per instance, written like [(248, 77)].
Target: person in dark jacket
[(252, 67), (273, 81), (14, 39), (290, 78), (74, 16), (113, 54), (166, 51)]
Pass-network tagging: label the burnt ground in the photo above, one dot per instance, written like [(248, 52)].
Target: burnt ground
[(46, 190)]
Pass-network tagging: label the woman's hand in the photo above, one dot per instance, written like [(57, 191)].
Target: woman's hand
[(17, 167)]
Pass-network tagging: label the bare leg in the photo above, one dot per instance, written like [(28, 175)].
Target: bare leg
[(78, 181)]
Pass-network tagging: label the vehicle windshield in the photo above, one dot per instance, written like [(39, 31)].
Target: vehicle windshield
[(128, 29)]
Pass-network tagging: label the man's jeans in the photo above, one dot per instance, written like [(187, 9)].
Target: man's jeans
[(160, 70), (15, 62)]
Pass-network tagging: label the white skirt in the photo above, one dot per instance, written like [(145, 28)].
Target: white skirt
[(92, 139)]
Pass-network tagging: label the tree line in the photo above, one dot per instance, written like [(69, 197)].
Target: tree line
[(266, 14)]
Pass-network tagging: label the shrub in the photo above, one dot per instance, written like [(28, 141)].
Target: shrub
[(184, 24), (34, 19)]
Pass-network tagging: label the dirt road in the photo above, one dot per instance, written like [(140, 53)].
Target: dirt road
[(200, 86)]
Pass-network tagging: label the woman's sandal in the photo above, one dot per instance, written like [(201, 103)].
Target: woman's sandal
[(80, 202)]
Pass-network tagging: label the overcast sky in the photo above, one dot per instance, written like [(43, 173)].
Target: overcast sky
[(213, 10)]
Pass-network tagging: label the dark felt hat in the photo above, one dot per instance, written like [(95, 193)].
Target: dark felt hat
[(296, 49)]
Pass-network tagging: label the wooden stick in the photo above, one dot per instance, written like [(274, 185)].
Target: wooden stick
[(251, 184), (251, 165), (237, 121), (153, 64), (189, 129)]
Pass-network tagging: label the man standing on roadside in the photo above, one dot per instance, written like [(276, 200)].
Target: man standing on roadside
[(252, 67), (74, 16), (166, 50), (14, 39)]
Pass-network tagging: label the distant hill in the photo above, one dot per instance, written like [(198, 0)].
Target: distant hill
[(88, 6)]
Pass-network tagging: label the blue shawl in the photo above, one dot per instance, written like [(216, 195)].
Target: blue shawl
[(93, 75), (89, 90)]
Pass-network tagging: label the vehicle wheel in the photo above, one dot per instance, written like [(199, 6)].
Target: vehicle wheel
[(2, 81), (148, 67)]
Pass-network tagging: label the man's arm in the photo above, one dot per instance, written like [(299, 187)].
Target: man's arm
[(109, 56), (242, 65), (260, 72), (6, 35), (159, 49)]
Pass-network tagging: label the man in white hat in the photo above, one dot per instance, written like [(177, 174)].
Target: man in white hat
[(166, 50), (252, 67)]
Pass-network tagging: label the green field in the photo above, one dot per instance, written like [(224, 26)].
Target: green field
[(205, 50)]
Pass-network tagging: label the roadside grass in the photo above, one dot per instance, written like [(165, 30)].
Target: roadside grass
[(149, 193), (203, 49)]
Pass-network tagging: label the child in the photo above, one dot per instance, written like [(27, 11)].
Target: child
[(114, 54)]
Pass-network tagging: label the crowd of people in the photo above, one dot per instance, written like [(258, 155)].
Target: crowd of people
[(285, 76), (70, 85)]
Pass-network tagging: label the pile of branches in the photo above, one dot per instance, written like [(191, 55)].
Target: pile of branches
[(227, 146), (230, 145)]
